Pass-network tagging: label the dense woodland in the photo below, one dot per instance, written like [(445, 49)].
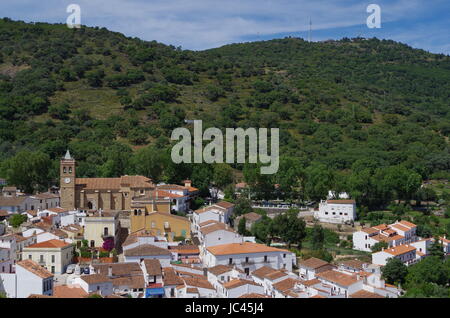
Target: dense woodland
[(365, 116)]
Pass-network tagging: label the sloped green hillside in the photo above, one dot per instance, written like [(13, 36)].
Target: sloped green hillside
[(345, 108)]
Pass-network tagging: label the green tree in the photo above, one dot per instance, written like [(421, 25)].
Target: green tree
[(317, 237), (436, 249), (27, 170), (17, 219), (242, 226), (394, 272), (379, 246)]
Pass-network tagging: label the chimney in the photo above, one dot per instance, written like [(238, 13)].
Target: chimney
[(110, 271), (187, 183)]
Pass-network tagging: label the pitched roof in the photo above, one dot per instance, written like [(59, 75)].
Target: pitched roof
[(242, 248), (220, 269), (197, 282), (95, 278), (408, 224), (253, 295), (365, 294), (234, 283), (313, 263), (118, 269), (170, 277), (185, 249), (337, 278), (35, 268), (252, 216), (49, 244), (263, 271), (224, 204), (57, 210), (353, 263), (310, 282), (153, 267), (114, 183), (275, 275), (146, 250), (341, 201), (285, 284), (399, 249), (134, 281), (11, 201), (64, 291), (216, 227)]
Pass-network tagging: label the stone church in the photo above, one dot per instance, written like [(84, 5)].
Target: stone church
[(99, 193)]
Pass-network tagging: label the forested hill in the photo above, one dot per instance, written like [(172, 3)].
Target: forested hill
[(349, 106)]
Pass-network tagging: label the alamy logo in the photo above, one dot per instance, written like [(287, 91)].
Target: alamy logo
[(213, 152)]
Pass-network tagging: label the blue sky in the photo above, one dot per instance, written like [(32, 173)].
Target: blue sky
[(202, 24)]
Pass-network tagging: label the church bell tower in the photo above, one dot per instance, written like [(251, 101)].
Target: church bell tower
[(67, 181)]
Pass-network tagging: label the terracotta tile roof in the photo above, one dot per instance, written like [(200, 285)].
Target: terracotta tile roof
[(400, 249), (241, 185), (46, 195), (208, 223), (310, 282), (189, 274), (114, 183), (234, 283), (35, 268), (384, 238), (153, 267), (95, 278), (4, 213), (40, 296), (252, 216), (400, 227), (337, 278), (341, 201), (12, 201), (64, 291), (242, 248), (131, 282), (31, 212), (369, 230), (365, 294), (353, 263), (118, 269), (313, 263), (408, 224), (262, 272), (275, 275), (49, 244), (216, 227), (285, 284), (60, 233), (57, 210), (318, 296), (192, 290), (185, 249), (224, 204), (170, 277), (253, 295), (380, 227), (198, 282), (157, 194), (220, 269), (9, 189), (146, 250), (167, 215)]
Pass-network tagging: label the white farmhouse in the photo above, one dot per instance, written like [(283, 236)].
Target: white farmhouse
[(248, 256), (406, 253), (336, 211)]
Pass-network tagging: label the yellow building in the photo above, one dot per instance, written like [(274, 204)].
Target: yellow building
[(154, 215), (101, 225)]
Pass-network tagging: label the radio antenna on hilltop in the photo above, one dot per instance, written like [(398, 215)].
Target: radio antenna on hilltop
[(310, 30)]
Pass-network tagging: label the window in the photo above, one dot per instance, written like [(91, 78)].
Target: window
[(230, 261), (246, 259), (53, 258), (53, 269), (265, 258), (142, 191), (105, 231), (153, 225), (64, 170), (30, 257), (284, 255), (41, 258), (326, 213), (92, 243), (70, 169)]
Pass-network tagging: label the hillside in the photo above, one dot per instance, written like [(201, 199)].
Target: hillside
[(340, 104)]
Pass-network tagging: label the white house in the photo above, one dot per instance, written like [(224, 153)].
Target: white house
[(219, 212), (249, 256), (33, 279), (148, 251), (215, 233), (336, 211), (96, 283), (309, 268), (54, 255), (220, 274), (406, 253), (196, 288), (238, 287), (395, 234), (341, 283)]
